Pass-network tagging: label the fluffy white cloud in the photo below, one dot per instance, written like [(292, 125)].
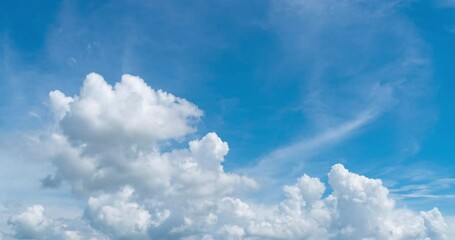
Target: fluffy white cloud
[(109, 136), (34, 224), (30, 223), (365, 210), (128, 113), (118, 216), (358, 208), (108, 144)]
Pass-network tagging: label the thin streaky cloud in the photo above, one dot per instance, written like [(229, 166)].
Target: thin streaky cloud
[(286, 156), (426, 190), (431, 196)]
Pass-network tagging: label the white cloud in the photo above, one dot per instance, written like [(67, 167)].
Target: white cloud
[(59, 104), (451, 225), (358, 208), (137, 190), (119, 217), (30, 223), (108, 137), (129, 111), (365, 208), (33, 223)]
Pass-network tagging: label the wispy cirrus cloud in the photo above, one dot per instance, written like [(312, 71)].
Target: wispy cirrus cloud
[(434, 189), (357, 62), (294, 155)]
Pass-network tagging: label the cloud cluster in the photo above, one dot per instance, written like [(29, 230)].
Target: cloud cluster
[(109, 137), (115, 146), (34, 224), (118, 216)]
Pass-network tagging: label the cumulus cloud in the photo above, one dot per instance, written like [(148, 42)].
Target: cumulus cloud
[(358, 208), (113, 145), (365, 210), (128, 113), (34, 224), (30, 223), (110, 136), (118, 216)]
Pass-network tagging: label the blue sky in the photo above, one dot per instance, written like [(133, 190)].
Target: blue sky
[(293, 86)]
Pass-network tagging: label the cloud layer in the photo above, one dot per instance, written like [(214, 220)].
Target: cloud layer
[(116, 146)]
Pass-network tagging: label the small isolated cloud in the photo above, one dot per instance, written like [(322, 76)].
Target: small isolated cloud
[(113, 146)]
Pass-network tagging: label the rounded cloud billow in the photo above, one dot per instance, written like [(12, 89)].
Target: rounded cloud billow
[(128, 113), (107, 145)]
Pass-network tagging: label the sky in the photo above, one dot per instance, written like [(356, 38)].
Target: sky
[(261, 119)]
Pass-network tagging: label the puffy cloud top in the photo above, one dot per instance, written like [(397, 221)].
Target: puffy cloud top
[(130, 112), (30, 223)]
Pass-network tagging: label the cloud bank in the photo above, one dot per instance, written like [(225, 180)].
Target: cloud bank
[(116, 147)]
